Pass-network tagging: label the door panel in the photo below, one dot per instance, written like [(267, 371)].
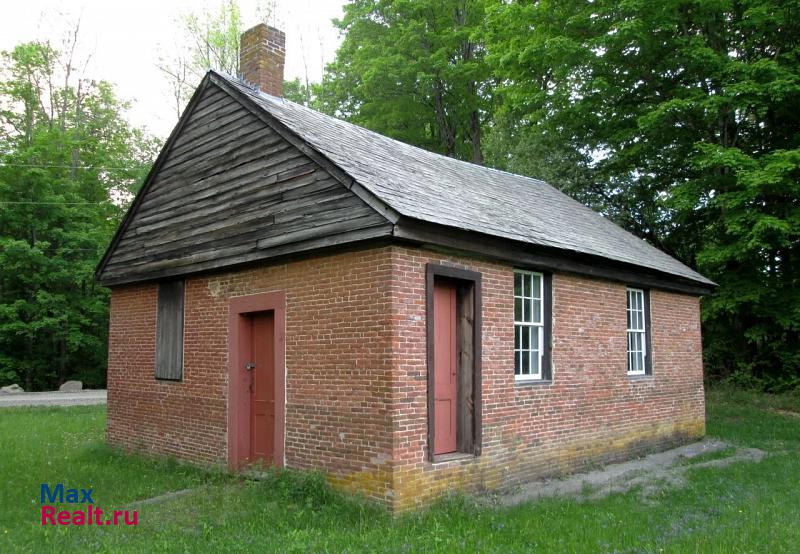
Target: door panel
[(262, 390), (444, 363)]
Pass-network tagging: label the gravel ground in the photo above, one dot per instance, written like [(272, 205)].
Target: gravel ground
[(649, 473), (83, 398)]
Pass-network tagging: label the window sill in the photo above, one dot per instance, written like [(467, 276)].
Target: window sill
[(644, 377), (452, 457), (532, 382)]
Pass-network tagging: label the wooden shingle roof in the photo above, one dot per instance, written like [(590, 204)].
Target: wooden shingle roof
[(438, 189), (216, 199)]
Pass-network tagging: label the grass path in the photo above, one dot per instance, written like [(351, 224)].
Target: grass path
[(744, 507)]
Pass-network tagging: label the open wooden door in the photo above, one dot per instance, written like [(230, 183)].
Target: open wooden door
[(453, 316), (445, 367)]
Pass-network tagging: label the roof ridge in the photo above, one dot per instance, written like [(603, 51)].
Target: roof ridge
[(432, 187), (271, 98)]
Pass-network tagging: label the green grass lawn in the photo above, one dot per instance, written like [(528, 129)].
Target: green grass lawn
[(745, 507)]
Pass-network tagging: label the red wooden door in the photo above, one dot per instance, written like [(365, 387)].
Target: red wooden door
[(262, 389), (444, 364)]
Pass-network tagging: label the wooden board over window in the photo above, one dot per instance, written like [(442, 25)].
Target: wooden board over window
[(169, 331)]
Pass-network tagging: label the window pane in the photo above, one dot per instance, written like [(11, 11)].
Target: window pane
[(518, 309), (630, 322), (526, 338), (536, 337), (517, 284), (517, 334), (516, 362), (526, 310), (526, 362), (535, 362), (536, 286), (537, 311)]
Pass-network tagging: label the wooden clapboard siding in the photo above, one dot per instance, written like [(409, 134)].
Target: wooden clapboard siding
[(231, 190)]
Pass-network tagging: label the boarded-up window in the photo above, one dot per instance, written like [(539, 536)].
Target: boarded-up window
[(169, 331)]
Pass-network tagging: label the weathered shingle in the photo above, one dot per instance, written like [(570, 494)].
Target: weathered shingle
[(442, 190)]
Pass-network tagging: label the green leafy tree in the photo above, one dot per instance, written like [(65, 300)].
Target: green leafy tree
[(300, 92), (68, 163), (413, 70), (685, 114), (210, 40)]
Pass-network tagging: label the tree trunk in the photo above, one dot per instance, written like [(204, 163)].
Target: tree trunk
[(475, 135)]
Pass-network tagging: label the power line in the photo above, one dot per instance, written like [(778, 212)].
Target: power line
[(51, 249), (37, 203), (58, 166)]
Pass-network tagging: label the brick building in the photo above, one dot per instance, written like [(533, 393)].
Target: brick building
[(291, 289)]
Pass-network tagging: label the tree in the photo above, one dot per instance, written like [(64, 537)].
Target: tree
[(685, 113), (211, 41), (415, 71), (68, 163)]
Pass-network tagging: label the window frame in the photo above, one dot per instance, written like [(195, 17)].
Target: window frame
[(646, 352), (543, 327), (174, 373)]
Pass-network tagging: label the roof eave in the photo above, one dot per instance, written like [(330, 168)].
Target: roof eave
[(523, 254)]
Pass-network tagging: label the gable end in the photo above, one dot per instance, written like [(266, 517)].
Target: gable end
[(229, 189)]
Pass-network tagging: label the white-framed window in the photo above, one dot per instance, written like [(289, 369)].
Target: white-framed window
[(528, 325), (637, 332)]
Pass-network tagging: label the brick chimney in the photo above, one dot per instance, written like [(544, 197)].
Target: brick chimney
[(262, 52)]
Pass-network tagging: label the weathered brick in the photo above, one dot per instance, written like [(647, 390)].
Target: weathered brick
[(356, 403)]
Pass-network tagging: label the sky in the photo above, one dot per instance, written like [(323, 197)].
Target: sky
[(123, 41)]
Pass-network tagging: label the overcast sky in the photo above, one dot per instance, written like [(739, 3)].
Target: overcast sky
[(124, 40)]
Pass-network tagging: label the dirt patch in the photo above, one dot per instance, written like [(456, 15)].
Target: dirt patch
[(161, 498), (650, 473), (787, 413)]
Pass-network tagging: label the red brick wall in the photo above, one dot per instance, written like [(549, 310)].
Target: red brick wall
[(183, 419), (591, 412), (338, 342), (356, 375)]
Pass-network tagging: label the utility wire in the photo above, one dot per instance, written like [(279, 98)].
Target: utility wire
[(23, 249), (47, 166), (37, 203)]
